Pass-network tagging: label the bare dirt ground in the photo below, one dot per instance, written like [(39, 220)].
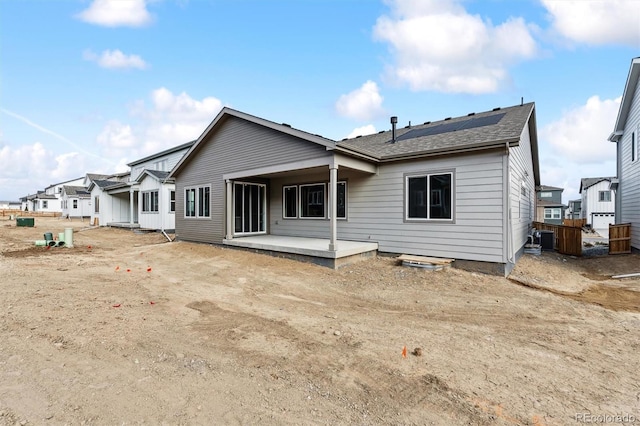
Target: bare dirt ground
[(128, 328)]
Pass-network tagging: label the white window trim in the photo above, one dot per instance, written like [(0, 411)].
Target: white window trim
[(197, 202), (428, 201), (172, 211), (150, 206)]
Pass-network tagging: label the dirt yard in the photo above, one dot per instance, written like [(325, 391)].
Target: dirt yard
[(128, 328)]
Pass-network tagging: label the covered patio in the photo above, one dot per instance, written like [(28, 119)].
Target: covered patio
[(314, 250)]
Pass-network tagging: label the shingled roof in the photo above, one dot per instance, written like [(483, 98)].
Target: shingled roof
[(587, 182), (471, 132), (79, 191)]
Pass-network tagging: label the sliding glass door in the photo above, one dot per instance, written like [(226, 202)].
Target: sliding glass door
[(249, 208)]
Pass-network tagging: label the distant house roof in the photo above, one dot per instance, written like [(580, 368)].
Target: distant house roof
[(496, 128), (60, 183), (78, 191), (627, 100), (156, 174), (162, 153), (96, 176), (105, 183), (549, 188), (588, 182), (44, 196)]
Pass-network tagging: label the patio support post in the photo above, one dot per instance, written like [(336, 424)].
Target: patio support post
[(229, 209), (131, 198), (333, 205)]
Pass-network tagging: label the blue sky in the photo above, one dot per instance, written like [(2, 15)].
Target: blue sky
[(88, 86)]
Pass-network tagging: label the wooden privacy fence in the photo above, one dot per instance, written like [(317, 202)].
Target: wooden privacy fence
[(574, 223), (567, 239), (620, 238)]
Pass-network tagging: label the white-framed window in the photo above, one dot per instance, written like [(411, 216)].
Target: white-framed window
[(172, 201), (438, 205), (553, 213), (150, 202), (604, 195), (45, 204), (546, 194), (75, 204), (197, 202), (290, 202), (312, 201), (96, 204)]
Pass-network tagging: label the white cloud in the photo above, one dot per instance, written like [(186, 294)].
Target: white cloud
[(580, 135), (596, 22), (116, 139), (114, 13), (362, 131), (166, 120), (438, 46), (363, 103), (115, 59), (28, 168)]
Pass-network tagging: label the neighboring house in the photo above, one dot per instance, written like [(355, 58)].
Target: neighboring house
[(574, 209), (157, 200), (75, 202), (107, 206), (142, 199), (55, 190), (598, 202), (10, 205), (549, 207), (461, 188), (626, 133)]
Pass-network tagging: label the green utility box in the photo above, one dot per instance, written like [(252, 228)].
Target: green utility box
[(25, 221)]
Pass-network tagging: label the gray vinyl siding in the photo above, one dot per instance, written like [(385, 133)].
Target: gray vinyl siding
[(521, 206), (234, 146), (630, 174), (375, 209)]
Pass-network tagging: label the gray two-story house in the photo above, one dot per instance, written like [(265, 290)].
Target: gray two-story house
[(549, 204)]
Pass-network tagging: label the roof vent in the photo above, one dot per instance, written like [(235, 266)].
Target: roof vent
[(285, 124), (447, 119), (496, 109), (426, 122), (381, 131), (359, 136), (470, 114), (394, 121)]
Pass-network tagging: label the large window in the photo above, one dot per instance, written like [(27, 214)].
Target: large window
[(75, 204), (197, 202), (604, 196), (172, 201), (150, 201), (312, 201), (429, 197)]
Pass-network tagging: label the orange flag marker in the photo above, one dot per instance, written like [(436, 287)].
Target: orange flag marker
[(404, 352)]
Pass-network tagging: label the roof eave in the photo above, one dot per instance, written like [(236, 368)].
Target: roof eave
[(627, 97), (226, 112)]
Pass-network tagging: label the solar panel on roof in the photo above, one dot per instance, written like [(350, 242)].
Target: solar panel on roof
[(471, 123)]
